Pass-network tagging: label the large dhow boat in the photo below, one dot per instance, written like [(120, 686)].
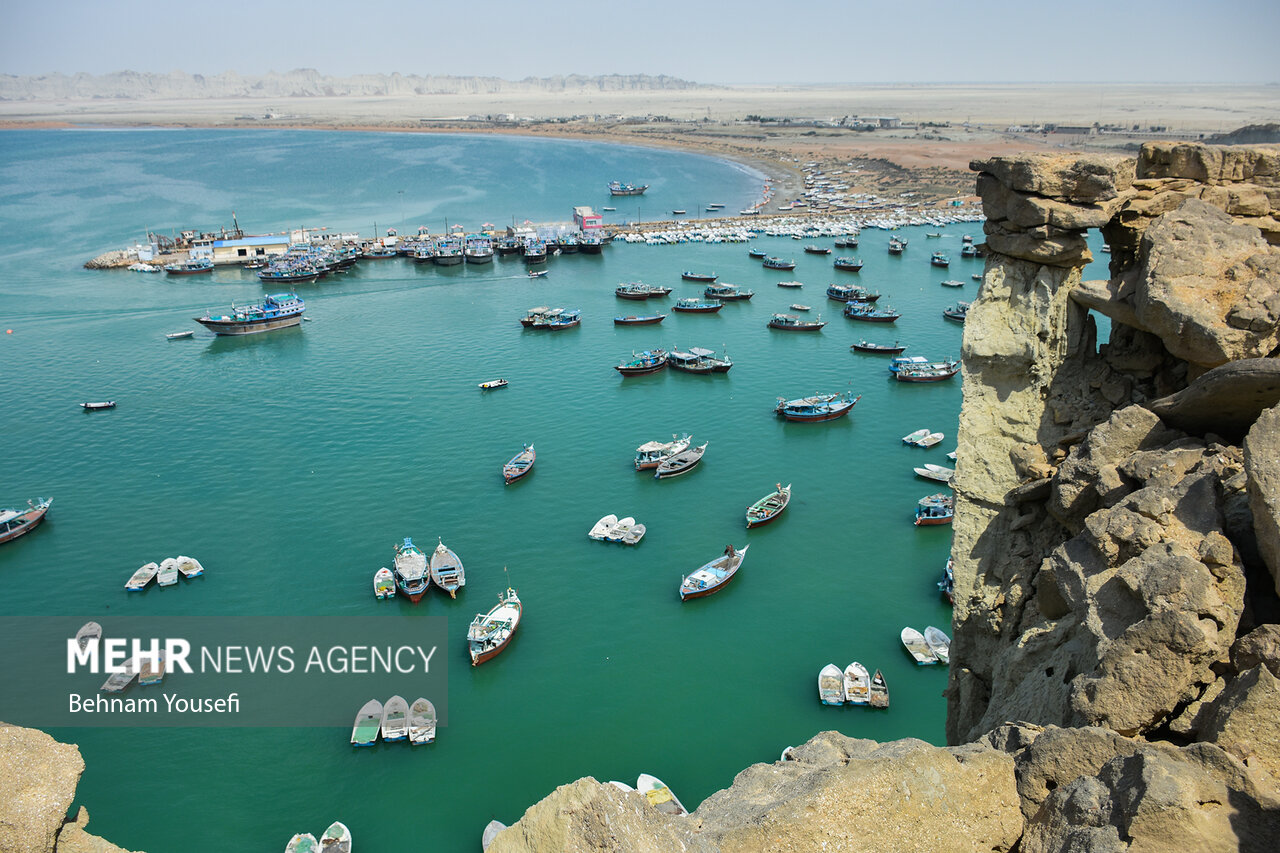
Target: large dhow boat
[(449, 252), (276, 311), (652, 453), (792, 323), (620, 188), (869, 313), (714, 575), (768, 507), (639, 290), (478, 249), (821, 407), (699, 360), (411, 570), (15, 522), (446, 570), (851, 293), (490, 632)]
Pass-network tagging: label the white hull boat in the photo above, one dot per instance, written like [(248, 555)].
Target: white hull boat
[(913, 641), (857, 684), (395, 719), (831, 685), (939, 643), (422, 722), (659, 795)]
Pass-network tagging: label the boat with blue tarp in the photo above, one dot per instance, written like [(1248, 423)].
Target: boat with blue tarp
[(275, 311)]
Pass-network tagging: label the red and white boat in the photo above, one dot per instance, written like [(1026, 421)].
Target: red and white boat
[(15, 522)]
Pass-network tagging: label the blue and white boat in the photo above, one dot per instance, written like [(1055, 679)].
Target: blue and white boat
[(276, 311), (821, 407), (411, 570)]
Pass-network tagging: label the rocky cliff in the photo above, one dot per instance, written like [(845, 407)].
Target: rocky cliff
[(1116, 548), (37, 787), (305, 82)]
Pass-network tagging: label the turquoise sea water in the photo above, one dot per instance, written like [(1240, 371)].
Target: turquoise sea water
[(291, 463)]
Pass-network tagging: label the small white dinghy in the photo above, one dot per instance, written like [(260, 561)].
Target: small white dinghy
[(936, 472), (142, 577), (659, 795), (422, 722), (368, 722), (939, 643), (930, 440), (831, 685), (177, 336), (168, 574), (857, 684), (912, 438), (634, 535), (336, 839), (395, 719), (189, 566), (913, 641), (602, 527), (384, 583), (619, 530)]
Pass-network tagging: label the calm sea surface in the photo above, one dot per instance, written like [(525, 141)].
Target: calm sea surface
[(291, 463)]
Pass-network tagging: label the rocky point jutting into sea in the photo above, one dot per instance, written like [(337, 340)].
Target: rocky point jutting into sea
[(1117, 549)]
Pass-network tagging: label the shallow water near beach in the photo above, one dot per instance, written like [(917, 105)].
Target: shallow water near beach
[(291, 463)]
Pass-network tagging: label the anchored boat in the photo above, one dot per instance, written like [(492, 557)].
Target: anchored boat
[(768, 507), (422, 722), (15, 522), (713, 575), (411, 570), (490, 632), (651, 453), (649, 361), (822, 407), (831, 685), (680, 463), (520, 464), (367, 725), (446, 570)]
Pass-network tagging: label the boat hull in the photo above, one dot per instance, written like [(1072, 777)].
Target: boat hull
[(641, 371), (862, 347), (711, 590), (490, 654), (447, 260), (25, 522), (639, 321), (823, 416), (709, 309), (249, 327), (797, 327), (480, 259)]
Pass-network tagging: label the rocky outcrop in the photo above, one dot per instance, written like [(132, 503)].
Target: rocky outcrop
[(1262, 464), (37, 787)]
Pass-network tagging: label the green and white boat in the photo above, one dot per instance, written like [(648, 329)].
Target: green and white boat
[(395, 719), (303, 843), (422, 722), (368, 722), (336, 839)]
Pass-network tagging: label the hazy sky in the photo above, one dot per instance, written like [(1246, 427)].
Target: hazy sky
[(708, 41)]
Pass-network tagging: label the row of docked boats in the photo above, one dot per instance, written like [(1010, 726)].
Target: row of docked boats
[(414, 574), (397, 720), (696, 360), (164, 573), (335, 839), (16, 522), (610, 528), (933, 646), (852, 686)]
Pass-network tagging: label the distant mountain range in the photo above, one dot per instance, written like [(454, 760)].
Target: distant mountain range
[(306, 83)]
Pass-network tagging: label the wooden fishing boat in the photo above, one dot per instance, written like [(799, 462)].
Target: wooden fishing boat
[(848, 264), (951, 282), (689, 275), (138, 580), (935, 510), (493, 383), (490, 632), (446, 570), (90, 632), (857, 684), (768, 507), (520, 464), (651, 453), (792, 323), (791, 284), (303, 842), (680, 463), (384, 583), (913, 642), (727, 293), (947, 583), (797, 307), (850, 293), (649, 361), (847, 242), (639, 290), (868, 313), (168, 573), (773, 263), (15, 522), (939, 643), (867, 346), (177, 336), (97, 407), (817, 250), (912, 438), (976, 276), (697, 306), (601, 527), (758, 254), (620, 188), (935, 371), (395, 719), (150, 669), (189, 566), (831, 685), (619, 529), (879, 691), (714, 575), (930, 440), (411, 570), (956, 312), (660, 796), (275, 311), (422, 722), (896, 246), (367, 725), (118, 681), (936, 472), (821, 407), (639, 320), (940, 259), (336, 839), (699, 360)]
